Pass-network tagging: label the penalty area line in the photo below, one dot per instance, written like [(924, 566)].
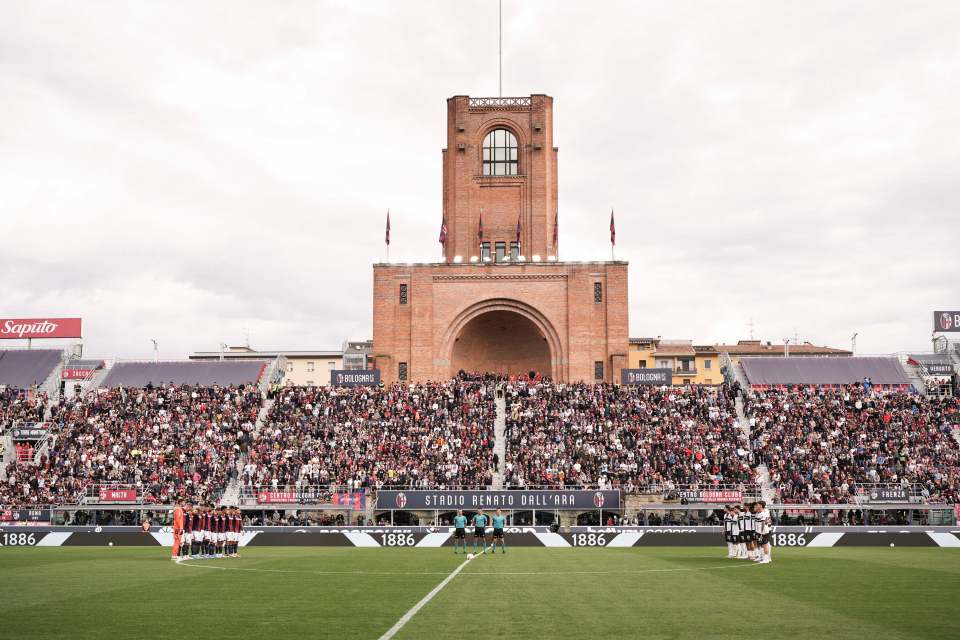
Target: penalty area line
[(405, 618)]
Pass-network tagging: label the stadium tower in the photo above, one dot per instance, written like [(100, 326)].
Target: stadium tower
[(501, 300)]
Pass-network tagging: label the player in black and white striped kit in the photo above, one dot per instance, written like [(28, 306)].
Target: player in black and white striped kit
[(747, 532), (729, 522), (764, 525)]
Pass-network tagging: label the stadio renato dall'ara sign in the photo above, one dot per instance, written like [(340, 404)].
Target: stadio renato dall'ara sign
[(525, 500)]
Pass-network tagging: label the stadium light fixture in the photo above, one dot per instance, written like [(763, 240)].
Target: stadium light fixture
[(536, 257), (474, 259), (457, 259), (521, 258), (551, 258)]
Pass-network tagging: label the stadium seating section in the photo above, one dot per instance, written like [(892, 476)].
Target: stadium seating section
[(25, 368), (821, 445), (227, 372)]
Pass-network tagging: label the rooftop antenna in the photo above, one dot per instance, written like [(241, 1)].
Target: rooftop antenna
[(751, 328), (500, 53)]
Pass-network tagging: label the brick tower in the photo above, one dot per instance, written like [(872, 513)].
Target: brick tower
[(501, 301)]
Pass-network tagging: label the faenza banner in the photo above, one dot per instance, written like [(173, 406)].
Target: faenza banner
[(354, 378), (946, 321), (21, 328), (887, 494), (510, 500), (659, 377)]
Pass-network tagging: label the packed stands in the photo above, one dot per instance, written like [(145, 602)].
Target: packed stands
[(425, 435), (18, 406), (26, 368), (630, 437), (175, 441), (226, 372), (774, 372), (826, 445)]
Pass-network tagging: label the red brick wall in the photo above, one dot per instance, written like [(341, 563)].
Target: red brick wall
[(530, 196), (557, 297)]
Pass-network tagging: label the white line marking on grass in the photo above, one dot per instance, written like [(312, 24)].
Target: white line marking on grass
[(392, 631), (601, 573), (193, 565)]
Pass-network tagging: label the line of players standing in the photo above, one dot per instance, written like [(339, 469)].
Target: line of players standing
[(206, 532), (747, 532)]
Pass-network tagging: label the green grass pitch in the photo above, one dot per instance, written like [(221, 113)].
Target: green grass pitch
[(343, 593)]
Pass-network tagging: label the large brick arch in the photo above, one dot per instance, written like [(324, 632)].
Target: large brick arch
[(525, 311)]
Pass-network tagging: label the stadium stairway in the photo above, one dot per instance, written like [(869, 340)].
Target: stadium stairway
[(767, 492), (742, 421), (8, 453), (231, 494), (500, 439)]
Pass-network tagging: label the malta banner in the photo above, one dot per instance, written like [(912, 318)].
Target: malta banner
[(355, 378), (657, 377), (118, 495), (276, 497), (21, 328), (525, 500), (946, 321)]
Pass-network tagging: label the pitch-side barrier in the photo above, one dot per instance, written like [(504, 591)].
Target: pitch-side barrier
[(433, 537)]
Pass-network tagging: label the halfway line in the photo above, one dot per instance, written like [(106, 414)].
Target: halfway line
[(427, 598)]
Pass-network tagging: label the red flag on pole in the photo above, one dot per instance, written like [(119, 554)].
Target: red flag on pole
[(443, 231), (519, 229), (613, 229), (387, 237)]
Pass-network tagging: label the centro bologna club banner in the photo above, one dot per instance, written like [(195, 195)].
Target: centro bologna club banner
[(24, 328), (525, 500)]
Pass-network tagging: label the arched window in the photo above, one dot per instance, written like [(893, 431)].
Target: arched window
[(500, 153)]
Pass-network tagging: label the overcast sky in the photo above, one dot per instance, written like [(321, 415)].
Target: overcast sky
[(187, 171)]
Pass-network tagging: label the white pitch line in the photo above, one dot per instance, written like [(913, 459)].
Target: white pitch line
[(392, 631), (187, 563)]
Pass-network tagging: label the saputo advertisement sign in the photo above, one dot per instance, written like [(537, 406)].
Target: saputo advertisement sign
[(22, 328)]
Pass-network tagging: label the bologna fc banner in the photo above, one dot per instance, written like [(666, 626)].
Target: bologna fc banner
[(658, 377), (511, 500), (355, 378), (20, 328), (946, 321)]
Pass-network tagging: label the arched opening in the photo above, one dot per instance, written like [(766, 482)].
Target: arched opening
[(501, 341)]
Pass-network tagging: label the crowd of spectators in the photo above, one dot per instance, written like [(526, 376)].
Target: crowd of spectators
[(633, 437), (187, 442), (169, 442), (21, 406), (828, 445), (429, 435)]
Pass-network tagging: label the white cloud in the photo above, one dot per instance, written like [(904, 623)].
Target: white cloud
[(184, 174)]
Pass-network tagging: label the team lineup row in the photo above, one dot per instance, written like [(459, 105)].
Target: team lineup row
[(747, 532), (205, 532)]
